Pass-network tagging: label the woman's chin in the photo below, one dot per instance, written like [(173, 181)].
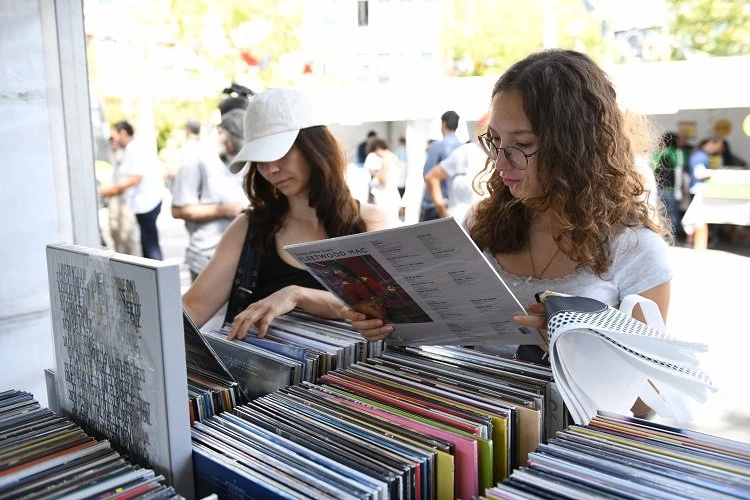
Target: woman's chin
[(516, 191)]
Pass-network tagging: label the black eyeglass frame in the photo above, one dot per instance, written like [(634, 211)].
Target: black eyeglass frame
[(493, 151)]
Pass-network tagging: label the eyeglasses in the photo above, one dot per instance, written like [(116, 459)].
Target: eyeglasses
[(517, 158)]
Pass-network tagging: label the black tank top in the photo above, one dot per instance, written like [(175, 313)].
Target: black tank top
[(275, 274)]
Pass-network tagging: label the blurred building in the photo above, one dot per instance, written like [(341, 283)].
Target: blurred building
[(369, 42)]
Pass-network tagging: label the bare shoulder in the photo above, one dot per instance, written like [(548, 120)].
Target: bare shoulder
[(240, 223), (375, 217), (234, 234), (213, 285)]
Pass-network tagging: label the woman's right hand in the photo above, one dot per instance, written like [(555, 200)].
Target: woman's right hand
[(535, 319), (372, 329), (262, 312)]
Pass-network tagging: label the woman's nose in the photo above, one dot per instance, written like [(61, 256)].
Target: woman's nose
[(268, 167), (502, 163)]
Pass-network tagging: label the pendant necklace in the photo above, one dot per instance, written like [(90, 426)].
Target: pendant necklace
[(533, 269)]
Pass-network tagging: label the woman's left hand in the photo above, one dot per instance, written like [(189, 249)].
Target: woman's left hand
[(535, 319), (372, 329), (264, 311)]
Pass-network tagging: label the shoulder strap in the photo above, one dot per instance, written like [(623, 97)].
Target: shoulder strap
[(245, 279)]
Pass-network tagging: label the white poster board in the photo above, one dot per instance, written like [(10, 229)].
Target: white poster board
[(120, 355)]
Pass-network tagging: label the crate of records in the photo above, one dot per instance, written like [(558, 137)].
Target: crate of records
[(44, 454)]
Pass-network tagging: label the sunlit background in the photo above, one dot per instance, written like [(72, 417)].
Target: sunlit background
[(160, 62), (393, 66)]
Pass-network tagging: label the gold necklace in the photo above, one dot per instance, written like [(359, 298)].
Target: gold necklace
[(533, 269)]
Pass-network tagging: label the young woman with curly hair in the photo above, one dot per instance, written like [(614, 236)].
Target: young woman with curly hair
[(297, 189), (566, 211)]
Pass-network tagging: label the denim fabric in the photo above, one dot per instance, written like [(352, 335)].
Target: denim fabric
[(149, 233)]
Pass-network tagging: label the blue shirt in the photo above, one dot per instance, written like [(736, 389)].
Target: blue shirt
[(439, 151), (699, 161)]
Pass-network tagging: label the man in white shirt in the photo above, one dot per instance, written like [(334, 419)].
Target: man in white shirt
[(459, 168), (206, 195), (140, 179)]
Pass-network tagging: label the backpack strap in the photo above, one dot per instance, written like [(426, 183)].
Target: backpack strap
[(245, 279)]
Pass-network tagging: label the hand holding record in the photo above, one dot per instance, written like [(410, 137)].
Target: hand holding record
[(371, 328)]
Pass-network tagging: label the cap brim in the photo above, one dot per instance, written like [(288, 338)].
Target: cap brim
[(268, 148)]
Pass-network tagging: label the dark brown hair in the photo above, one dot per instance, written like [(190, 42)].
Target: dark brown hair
[(329, 192), (589, 182)]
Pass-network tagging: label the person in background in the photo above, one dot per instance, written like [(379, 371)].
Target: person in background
[(205, 194), (729, 159), (192, 134), (566, 210), (699, 233), (121, 220), (459, 169), (296, 185), (238, 96), (700, 163), (682, 173), (664, 164), (437, 152), (189, 149), (400, 153), (363, 148), (140, 178), (385, 172)]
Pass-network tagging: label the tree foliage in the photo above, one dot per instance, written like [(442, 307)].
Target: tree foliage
[(486, 36), (204, 45), (714, 27), (239, 39)]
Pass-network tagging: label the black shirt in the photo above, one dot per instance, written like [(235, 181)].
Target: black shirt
[(275, 274)]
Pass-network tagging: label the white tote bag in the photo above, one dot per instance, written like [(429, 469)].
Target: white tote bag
[(604, 359)]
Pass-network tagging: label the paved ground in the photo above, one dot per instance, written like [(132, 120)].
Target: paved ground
[(708, 306), (708, 293)]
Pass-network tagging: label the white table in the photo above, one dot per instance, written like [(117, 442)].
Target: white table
[(708, 208)]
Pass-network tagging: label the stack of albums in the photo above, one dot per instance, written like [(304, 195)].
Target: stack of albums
[(45, 455), (440, 422), (431, 422), (296, 348), (211, 387), (623, 457)]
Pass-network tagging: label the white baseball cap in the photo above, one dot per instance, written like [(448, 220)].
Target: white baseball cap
[(272, 122)]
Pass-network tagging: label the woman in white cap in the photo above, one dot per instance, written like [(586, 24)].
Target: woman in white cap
[(297, 188)]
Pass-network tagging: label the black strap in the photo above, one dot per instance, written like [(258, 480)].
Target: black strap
[(245, 279)]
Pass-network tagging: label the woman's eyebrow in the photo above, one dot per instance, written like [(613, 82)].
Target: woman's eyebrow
[(512, 132)]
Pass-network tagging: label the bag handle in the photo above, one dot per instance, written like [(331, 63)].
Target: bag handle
[(245, 278), (650, 310)]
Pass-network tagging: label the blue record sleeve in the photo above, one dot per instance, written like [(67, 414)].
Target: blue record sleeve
[(290, 351), (220, 475)]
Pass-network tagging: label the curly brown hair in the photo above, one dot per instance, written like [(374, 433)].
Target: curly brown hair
[(329, 192), (589, 182)]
